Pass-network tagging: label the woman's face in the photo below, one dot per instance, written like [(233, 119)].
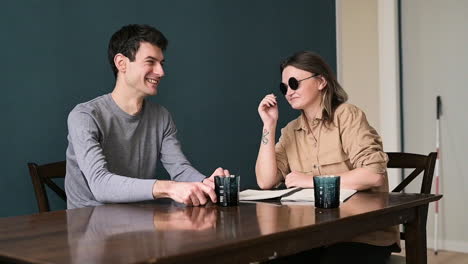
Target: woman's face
[(308, 94)]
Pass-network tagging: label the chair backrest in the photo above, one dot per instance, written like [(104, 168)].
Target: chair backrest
[(417, 162), (420, 163), (41, 175)]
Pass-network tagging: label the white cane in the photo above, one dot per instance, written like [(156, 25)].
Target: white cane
[(437, 171)]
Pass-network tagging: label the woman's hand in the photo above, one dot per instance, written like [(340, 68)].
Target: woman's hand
[(268, 110), (297, 179)]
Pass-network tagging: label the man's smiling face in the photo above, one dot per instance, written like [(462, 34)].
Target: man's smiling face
[(145, 72)]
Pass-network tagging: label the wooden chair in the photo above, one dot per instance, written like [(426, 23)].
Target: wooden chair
[(414, 161), (43, 174), (420, 163)]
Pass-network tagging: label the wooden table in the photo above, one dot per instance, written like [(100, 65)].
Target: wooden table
[(167, 232)]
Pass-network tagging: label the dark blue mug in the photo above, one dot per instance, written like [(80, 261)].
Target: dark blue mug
[(327, 191), (227, 190)]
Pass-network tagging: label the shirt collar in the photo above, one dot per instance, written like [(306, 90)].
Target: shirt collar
[(302, 121)]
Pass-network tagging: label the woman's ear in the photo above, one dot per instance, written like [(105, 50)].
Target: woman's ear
[(120, 62), (322, 83)]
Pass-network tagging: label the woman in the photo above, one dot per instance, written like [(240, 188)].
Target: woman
[(329, 137)]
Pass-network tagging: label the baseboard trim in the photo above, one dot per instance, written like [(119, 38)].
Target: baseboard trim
[(449, 245)]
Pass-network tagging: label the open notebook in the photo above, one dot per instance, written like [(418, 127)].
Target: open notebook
[(253, 195), (288, 195)]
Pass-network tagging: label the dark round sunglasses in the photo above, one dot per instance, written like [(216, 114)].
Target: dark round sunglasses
[(293, 83)]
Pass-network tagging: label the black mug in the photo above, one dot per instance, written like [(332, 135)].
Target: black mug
[(327, 191), (227, 190)]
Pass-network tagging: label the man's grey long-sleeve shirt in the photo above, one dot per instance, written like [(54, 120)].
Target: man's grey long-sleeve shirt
[(112, 156)]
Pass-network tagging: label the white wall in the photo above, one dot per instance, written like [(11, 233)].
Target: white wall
[(368, 65), (359, 72), (435, 62)]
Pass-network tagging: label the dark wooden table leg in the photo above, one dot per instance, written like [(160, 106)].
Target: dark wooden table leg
[(415, 240)]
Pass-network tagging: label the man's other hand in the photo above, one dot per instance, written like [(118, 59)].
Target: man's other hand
[(189, 193), (218, 172)]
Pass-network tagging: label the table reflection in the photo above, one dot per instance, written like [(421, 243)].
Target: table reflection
[(134, 232), (143, 232), (273, 218), (362, 203), (186, 218)]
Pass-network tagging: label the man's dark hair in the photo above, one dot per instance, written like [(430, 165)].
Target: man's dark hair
[(127, 41)]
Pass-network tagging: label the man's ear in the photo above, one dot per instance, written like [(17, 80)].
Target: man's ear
[(322, 83), (120, 62)]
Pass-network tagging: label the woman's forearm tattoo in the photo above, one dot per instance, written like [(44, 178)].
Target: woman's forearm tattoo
[(264, 136)]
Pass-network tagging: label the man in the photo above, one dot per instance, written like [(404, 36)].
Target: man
[(115, 140)]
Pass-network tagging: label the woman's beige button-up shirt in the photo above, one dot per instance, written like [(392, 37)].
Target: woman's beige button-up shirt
[(347, 143)]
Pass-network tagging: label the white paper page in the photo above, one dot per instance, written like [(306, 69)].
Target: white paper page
[(252, 195), (307, 195)]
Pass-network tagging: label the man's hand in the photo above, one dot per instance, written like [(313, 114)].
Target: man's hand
[(218, 172), (297, 179), (189, 193)]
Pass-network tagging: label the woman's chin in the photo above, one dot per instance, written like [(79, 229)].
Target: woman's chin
[(296, 106)]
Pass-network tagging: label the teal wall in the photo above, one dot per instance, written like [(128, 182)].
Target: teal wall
[(222, 58)]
